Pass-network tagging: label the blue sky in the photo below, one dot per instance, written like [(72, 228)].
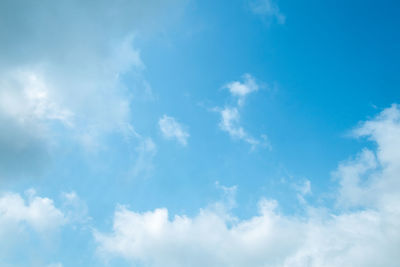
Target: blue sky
[(199, 133)]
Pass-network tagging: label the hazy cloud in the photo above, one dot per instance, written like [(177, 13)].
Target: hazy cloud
[(268, 9)]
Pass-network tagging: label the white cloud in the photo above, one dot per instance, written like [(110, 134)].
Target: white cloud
[(63, 65), (372, 178), (241, 90), (24, 96), (26, 223), (33, 225), (268, 9), (230, 115), (366, 236), (229, 122), (170, 129), (37, 212), (205, 240)]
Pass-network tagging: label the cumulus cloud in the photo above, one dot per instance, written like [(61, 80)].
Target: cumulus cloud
[(363, 230), (268, 9), (26, 222), (230, 115), (372, 177), (31, 225), (36, 212), (63, 66), (204, 240), (171, 129)]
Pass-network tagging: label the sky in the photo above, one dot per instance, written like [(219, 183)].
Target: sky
[(174, 133)]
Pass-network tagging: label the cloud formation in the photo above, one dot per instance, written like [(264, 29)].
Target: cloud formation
[(31, 224), (171, 129), (230, 115), (26, 225), (363, 229), (62, 73), (242, 89), (38, 213)]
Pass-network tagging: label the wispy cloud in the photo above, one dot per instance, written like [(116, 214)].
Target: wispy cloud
[(267, 9), (230, 123), (143, 165), (171, 129)]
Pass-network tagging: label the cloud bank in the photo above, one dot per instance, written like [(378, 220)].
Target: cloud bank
[(363, 229)]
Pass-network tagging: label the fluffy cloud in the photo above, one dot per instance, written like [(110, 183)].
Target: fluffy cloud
[(37, 212), (364, 229), (205, 240), (170, 129), (372, 178), (267, 9), (31, 225), (230, 115), (26, 225), (63, 66)]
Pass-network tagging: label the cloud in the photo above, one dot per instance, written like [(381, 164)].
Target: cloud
[(230, 123), (26, 223), (37, 212), (62, 73), (372, 178), (32, 226), (205, 240), (267, 9), (241, 90), (171, 129), (362, 230), (230, 115), (146, 151)]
